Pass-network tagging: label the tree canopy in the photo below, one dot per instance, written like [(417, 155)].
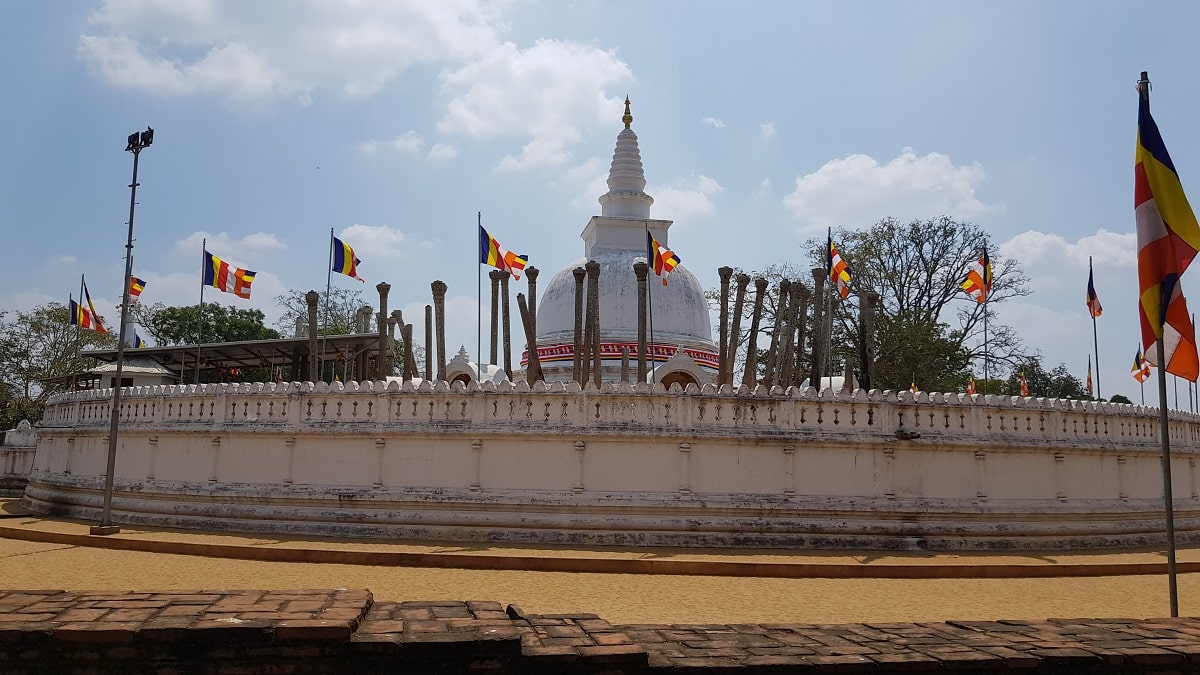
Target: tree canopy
[(38, 350), (181, 325)]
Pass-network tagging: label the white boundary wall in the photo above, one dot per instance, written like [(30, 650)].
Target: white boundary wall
[(630, 464)]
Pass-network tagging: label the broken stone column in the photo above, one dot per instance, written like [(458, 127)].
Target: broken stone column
[(381, 371), (750, 374), (312, 298), (593, 273), (743, 280), (816, 369), (578, 370), (868, 305), (787, 359), (428, 342), (781, 326), (641, 270), (533, 367), (801, 317), (495, 276), (726, 273), (439, 312)]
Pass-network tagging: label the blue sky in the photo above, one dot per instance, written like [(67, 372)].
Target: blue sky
[(761, 125)]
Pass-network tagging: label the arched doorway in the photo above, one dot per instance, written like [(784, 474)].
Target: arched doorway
[(679, 377)]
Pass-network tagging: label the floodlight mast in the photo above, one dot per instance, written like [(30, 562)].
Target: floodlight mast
[(135, 143)]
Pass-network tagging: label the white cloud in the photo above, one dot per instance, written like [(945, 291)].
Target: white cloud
[(548, 93), (1107, 249), (544, 96), (715, 122), (767, 130), (230, 248), (685, 198), (858, 191), (63, 259), (442, 151), (409, 142), (246, 50)]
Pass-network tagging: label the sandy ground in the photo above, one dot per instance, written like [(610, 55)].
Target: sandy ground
[(620, 598)]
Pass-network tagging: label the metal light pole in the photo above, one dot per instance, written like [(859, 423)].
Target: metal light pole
[(137, 142)]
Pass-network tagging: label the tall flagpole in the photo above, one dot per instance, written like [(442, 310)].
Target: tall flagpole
[(478, 298), (1095, 339), (200, 308), (1164, 429)]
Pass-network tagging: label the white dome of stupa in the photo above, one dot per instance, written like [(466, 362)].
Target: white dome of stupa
[(615, 239)]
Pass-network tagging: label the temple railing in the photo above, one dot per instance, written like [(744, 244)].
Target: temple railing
[(635, 409)]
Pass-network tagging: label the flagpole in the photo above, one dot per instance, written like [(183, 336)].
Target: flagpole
[(1095, 339), (478, 299), (1164, 427), (200, 308)]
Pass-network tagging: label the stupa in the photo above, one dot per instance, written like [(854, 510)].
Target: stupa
[(680, 345)]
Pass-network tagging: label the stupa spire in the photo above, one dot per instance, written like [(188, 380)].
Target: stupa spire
[(626, 196)]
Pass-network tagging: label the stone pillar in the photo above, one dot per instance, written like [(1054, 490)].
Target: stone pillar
[(429, 342), (641, 269), (578, 371), (533, 368), (362, 320), (777, 333), (624, 364), (312, 298), (507, 330), (397, 323), (868, 303), (801, 317), (593, 302), (750, 374), (531, 275), (495, 276), (439, 320), (410, 360), (726, 273), (787, 366), (735, 331), (382, 324), (816, 369)]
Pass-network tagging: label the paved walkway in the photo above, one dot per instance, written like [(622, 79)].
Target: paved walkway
[(317, 631), (623, 585)]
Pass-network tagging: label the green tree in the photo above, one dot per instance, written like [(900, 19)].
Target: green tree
[(39, 350), (1056, 383), (1120, 398), (181, 325)]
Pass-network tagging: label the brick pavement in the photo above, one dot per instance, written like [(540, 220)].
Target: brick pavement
[(321, 631)]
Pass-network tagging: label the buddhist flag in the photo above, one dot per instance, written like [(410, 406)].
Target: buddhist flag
[(978, 282), (970, 385), (662, 259), (1093, 302), (136, 287), (1024, 384), (225, 277), (838, 270), (493, 254), (1168, 237), (1141, 367), (1089, 376), (81, 316), (86, 317), (344, 260)]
